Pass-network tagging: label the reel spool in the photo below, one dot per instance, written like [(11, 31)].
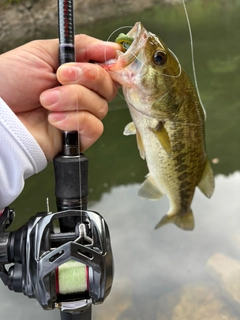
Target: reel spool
[(65, 270)]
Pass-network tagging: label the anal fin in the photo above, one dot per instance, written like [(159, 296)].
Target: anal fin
[(149, 190)]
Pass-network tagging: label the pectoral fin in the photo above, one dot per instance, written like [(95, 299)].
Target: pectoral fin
[(185, 222), (206, 184), (130, 129), (162, 136), (149, 190)]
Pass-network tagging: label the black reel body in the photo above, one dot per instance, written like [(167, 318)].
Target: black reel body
[(43, 258)]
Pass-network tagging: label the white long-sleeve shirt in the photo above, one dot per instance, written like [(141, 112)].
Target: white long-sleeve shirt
[(20, 155)]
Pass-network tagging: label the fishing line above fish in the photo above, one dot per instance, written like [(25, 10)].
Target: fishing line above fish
[(192, 56)]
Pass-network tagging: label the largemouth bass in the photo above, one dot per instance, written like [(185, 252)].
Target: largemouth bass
[(168, 120)]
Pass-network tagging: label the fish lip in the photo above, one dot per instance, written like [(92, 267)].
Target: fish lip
[(140, 35), (135, 32)]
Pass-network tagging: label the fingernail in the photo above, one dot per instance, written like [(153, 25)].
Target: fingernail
[(69, 73), (49, 97), (56, 116)]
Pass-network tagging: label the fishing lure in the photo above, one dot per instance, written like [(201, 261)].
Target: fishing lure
[(124, 40)]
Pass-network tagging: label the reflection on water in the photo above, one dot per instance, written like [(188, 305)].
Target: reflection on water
[(162, 274), (153, 267), (159, 274)]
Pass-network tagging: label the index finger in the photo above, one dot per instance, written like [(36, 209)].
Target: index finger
[(92, 49)]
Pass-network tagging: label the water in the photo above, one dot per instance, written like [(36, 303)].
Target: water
[(162, 274)]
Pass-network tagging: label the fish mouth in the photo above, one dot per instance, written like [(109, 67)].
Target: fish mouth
[(127, 64), (140, 36)]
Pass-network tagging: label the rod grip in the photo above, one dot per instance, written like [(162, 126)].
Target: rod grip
[(71, 182)]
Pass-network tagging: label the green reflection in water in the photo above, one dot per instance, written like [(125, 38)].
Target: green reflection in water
[(114, 159)]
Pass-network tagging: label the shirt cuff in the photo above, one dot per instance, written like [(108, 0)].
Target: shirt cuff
[(20, 155)]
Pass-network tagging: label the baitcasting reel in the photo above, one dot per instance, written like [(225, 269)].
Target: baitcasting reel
[(65, 270)]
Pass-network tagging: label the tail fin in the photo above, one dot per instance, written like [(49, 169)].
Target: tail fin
[(185, 222)]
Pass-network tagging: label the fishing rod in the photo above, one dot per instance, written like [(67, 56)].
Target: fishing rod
[(63, 259)]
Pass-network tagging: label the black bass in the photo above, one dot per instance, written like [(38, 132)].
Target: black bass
[(168, 120)]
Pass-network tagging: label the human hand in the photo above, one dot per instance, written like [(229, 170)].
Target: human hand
[(30, 85)]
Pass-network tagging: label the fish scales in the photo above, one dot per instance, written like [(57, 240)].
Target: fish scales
[(168, 120), (179, 174)]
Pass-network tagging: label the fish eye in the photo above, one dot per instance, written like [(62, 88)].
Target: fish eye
[(159, 58)]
